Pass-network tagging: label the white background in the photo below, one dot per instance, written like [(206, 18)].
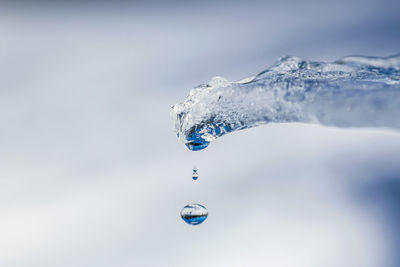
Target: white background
[(91, 172)]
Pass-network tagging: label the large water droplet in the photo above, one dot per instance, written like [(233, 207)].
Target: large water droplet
[(194, 214), (195, 174)]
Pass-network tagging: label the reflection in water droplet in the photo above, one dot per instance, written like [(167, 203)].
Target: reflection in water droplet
[(194, 214), (195, 174)]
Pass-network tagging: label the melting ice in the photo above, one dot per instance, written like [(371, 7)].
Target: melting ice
[(194, 214), (351, 92)]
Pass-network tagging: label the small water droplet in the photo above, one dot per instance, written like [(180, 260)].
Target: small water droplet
[(194, 214), (195, 174)]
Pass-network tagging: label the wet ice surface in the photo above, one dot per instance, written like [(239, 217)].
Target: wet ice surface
[(354, 91)]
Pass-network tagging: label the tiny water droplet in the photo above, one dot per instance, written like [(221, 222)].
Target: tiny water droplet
[(195, 174), (194, 214)]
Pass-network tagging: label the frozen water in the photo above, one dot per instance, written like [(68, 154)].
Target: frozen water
[(194, 214), (351, 92)]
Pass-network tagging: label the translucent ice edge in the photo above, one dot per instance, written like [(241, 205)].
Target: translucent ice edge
[(354, 91)]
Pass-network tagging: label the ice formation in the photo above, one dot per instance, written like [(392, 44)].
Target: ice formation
[(351, 92)]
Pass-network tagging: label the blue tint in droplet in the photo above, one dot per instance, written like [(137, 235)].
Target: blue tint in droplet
[(194, 214), (195, 174)]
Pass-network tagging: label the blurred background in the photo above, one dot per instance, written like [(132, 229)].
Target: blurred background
[(91, 171)]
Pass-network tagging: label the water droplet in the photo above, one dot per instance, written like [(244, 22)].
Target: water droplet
[(195, 174), (194, 214)]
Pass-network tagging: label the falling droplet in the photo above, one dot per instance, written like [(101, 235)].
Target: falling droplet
[(194, 214), (195, 174)]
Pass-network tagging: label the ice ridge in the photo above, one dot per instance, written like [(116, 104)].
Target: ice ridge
[(354, 91)]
